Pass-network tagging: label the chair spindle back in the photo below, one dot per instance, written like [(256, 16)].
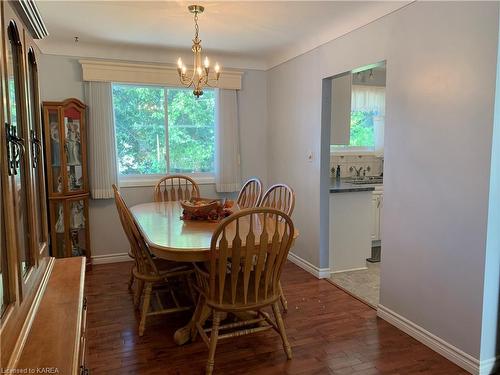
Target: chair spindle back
[(280, 197), (176, 188), (143, 261), (250, 194), (248, 251)]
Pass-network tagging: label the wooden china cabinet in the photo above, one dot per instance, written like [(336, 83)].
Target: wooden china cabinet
[(39, 296), (66, 166)]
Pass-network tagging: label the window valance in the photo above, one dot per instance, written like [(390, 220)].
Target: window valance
[(158, 74)]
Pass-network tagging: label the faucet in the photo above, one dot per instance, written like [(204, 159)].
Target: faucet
[(358, 171)]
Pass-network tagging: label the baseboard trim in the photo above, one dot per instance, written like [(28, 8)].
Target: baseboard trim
[(111, 258), (320, 273), (452, 353)]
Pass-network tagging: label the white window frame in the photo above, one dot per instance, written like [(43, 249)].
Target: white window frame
[(148, 180), (346, 149)]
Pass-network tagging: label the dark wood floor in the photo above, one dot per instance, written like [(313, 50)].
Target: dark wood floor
[(330, 333)]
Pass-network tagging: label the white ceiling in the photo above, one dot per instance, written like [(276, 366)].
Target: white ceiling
[(243, 34)]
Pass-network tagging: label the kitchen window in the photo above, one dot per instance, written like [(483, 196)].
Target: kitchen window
[(367, 119), (161, 130)]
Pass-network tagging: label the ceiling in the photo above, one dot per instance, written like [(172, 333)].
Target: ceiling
[(262, 34)]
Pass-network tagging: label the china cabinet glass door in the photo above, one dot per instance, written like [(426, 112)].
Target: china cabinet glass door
[(78, 213), (70, 214), (37, 155), (73, 157), (58, 226), (4, 286), (17, 146)]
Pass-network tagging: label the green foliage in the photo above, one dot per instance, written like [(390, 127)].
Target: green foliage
[(362, 132), (12, 101), (191, 131), (141, 135)]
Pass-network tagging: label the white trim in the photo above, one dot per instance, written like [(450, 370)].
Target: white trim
[(354, 151), (149, 181), (487, 366), (447, 350), (160, 74), (320, 273), (349, 270), (111, 258)]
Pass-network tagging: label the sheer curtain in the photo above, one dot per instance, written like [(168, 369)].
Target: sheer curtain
[(368, 99), (227, 154), (103, 170), (371, 99)]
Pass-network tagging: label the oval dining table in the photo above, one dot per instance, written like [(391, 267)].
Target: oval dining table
[(171, 238)]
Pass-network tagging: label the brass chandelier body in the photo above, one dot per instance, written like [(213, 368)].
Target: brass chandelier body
[(201, 75)]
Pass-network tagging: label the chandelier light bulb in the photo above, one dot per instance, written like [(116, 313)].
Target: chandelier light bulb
[(184, 69), (179, 63), (217, 68), (206, 62), (198, 70)]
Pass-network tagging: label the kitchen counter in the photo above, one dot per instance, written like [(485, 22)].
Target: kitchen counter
[(342, 186)]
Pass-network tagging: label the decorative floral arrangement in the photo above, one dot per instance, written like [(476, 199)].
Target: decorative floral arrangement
[(206, 209)]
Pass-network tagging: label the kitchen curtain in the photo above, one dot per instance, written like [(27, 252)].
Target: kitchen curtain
[(371, 99), (103, 170), (227, 143), (368, 99)]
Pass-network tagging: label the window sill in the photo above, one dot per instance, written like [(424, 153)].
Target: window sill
[(143, 181), (356, 151)]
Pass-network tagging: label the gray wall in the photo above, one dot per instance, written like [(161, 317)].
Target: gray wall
[(490, 338), (441, 65), (61, 78)]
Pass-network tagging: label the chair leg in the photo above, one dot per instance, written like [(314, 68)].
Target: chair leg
[(197, 316), (281, 327), (213, 343), (283, 300), (131, 279), (145, 307), (138, 293)]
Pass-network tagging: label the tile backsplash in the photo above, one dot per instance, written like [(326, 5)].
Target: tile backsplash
[(372, 164)]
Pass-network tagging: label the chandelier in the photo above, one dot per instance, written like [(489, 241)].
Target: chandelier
[(201, 75)]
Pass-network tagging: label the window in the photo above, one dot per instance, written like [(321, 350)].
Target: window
[(367, 118), (163, 130)]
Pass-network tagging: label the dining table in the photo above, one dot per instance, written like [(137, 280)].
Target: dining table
[(170, 237)]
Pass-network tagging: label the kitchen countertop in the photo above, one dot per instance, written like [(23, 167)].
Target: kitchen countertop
[(342, 186)]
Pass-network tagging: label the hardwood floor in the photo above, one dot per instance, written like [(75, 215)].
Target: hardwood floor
[(330, 333)]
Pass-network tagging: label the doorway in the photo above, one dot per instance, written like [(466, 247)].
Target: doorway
[(356, 117)]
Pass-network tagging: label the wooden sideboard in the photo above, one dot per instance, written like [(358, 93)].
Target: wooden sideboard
[(55, 342)]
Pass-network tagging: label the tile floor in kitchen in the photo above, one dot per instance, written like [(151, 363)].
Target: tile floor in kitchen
[(363, 284)]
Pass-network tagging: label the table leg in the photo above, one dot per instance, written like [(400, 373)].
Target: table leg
[(189, 331)]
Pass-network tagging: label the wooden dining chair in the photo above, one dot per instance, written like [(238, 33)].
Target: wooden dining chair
[(247, 253), (280, 197), (175, 188), (250, 194), (149, 272)]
